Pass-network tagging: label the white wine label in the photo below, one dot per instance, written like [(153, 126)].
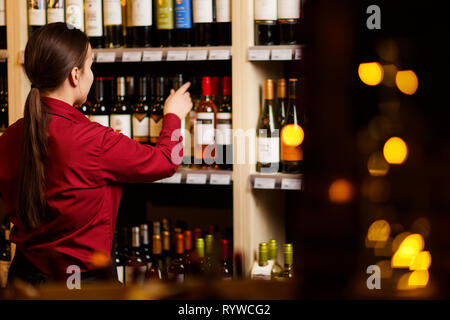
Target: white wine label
[(204, 128), (223, 11), (112, 12), (141, 13), (155, 127), (261, 272), (288, 9), (93, 17), (266, 10), (223, 132), (103, 120), (203, 11), (74, 13), (140, 125), (36, 12), (2, 13), (120, 274), (268, 150), (121, 123), (55, 11)]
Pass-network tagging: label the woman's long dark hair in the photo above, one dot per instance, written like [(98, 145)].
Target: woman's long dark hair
[(50, 55)]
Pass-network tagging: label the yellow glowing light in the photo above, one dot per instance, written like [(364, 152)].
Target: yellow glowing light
[(377, 165), (403, 282), (395, 150), (292, 135), (340, 191), (371, 73), (407, 81), (418, 279), (379, 231), (421, 261), (408, 249), (385, 268)]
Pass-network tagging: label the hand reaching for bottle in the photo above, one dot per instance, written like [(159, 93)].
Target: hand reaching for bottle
[(179, 102)]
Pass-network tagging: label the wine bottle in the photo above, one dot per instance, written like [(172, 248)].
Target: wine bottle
[(145, 244), (203, 22), (224, 133), (75, 13), (112, 14), (215, 90), (36, 15), (281, 101), (165, 22), (185, 122), (151, 89), (195, 90), (288, 269), (262, 268), (119, 258), (154, 271), (139, 23), (55, 11), (288, 19), (268, 138), (198, 233), (157, 112), (120, 118), (5, 245), (184, 32), (292, 134), (94, 22), (167, 252), (130, 89), (209, 259), (177, 268), (2, 25), (266, 26), (206, 110), (99, 111), (141, 114), (199, 267), (223, 26), (86, 107), (135, 267), (273, 253), (188, 251), (226, 272)]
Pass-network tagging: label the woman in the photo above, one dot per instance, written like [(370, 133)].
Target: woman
[(61, 176)]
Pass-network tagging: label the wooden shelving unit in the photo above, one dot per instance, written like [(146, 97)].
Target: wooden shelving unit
[(256, 217)]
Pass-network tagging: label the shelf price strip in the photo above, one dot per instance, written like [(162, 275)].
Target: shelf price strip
[(195, 178), (132, 56), (220, 179), (264, 183), (291, 184), (106, 57)]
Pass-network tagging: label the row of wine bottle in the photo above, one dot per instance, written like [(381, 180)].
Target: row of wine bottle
[(266, 266), (139, 23), (140, 116), (195, 254), (279, 132), (3, 103)]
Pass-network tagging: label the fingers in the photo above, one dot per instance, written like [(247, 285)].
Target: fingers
[(183, 88)]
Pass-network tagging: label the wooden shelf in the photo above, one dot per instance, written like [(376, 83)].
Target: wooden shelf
[(200, 177), (275, 53), (279, 181)]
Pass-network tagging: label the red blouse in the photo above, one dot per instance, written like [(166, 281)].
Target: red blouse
[(86, 167)]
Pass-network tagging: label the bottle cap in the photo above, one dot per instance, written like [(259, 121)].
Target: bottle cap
[(188, 239), (263, 253), (281, 88), (227, 86), (268, 89), (206, 86), (293, 87), (180, 243)]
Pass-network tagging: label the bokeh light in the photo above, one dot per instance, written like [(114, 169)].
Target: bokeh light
[(370, 73), (340, 191), (408, 249), (395, 150), (407, 82), (379, 231), (418, 279), (292, 135), (377, 165), (421, 261)]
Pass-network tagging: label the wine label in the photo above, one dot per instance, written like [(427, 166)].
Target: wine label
[(288, 9), (140, 125), (268, 150), (2, 13), (223, 11), (112, 12), (121, 123), (93, 17), (266, 10), (74, 13), (183, 14), (101, 119), (204, 128), (55, 11), (141, 13), (120, 274), (223, 132), (289, 153), (4, 269), (155, 127), (36, 12), (261, 272), (203, 11), (165, 15)]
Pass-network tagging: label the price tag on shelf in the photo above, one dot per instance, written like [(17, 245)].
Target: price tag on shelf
[(298, 54), (152, 56), (197, 55), (264, 183), (258, 55), (291, 184), (132, 56), (106, 57), (195, 178), (219, 55), (282, 54), (176, 55), (176, 178), (220, 179)]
